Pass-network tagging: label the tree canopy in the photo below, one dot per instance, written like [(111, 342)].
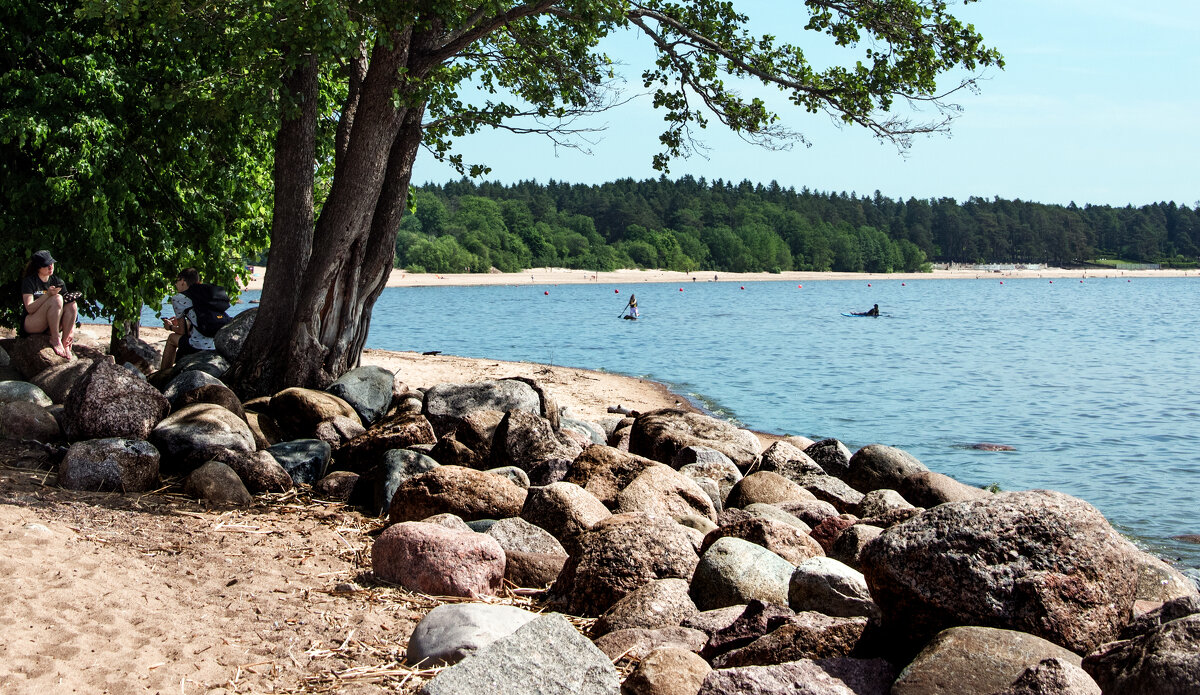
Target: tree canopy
[(356, 89)]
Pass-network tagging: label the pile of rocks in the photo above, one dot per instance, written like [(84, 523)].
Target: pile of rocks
[(713, 566)]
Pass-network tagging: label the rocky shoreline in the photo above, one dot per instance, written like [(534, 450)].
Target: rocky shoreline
[(665, 551)]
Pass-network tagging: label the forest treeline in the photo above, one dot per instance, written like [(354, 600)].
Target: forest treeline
[(693, 224)]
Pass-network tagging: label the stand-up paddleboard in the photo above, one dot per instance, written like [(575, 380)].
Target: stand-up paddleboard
[(627, 317)]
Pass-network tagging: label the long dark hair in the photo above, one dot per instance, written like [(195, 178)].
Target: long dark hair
[(31, 268)]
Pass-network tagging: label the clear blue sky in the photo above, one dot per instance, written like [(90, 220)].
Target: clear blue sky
[(1099, 102)]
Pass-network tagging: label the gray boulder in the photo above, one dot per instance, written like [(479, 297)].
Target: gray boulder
[(931, 489), (468, 493), (399, 465), (12, 391), (831, 455), (528, 441), (832, 490), (659, 603), (975, 661), (811, 512), (516, 534), (260, 471), (108, 401), (187, 381), (785, 540), (667, 671), (661, 489), (447, 405), (806, 635), (367, 389), (734, 571), (849, 545), (121, 465), (368, 449), (776, 513), (880, 502), (207, 361), (565, 510), (451, 632), (604, 471), (837, 676), (198, 433), (638, 642), (232, 336), (788, 461), (1052, 676), (518, 476), (546, 656), (1040, 562), (217, 484), (305, 460), (590, 431), (661, 434), (723, 471), (32, 354), (766, 487), (827, 586), (298, 411)]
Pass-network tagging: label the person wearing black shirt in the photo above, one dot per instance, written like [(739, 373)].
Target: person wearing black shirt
[(873, 311), (49, 308)]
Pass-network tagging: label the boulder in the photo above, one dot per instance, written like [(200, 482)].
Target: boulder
[(264, 430), (806, 635), (398, 466), (1041, 562), (667, 671), (546, 656), (661, 434), (447, 405), (450, 521), (618, 555), (206, 361), (849, 545), (723, 471), (656, 604), (1052, 676), (367, 450), (605, 471), (638, 642), (1158, 581), (590, 431), (975, 661), (108, 401), (367, 389), (1163, 661), (811, 512), (786, 541), (516, 534), (435, 560), (837, 676), (298, 411), (469, 493), (767, 487), (759, 510), (451, 632), (877, 466), (260, 471), (529, 442), (565, 510), (58, 380), (305, 460), (734, 571), (477, 430), (831, 529), (23, 420), (217, 483), (13, 391), (831, 455), (832, 490), (931, 489), (787, 460), (718, 619), (338, 430), (188, 381), (232, 336), (198, 433), (32, 354), (450, 452), (827, 586), (518, 476), (537, 570), (338, 486), (661, 489), (100, 465), (698, 454), (750, 622), (879, 502), (1171, 610)]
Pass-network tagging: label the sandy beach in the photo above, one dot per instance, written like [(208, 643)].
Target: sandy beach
[(565, 276)]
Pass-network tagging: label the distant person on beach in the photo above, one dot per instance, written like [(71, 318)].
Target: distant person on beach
[(200, 311), (873, 311), (49, 307), (631, 309)]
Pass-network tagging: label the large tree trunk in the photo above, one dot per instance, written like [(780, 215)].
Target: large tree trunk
[(255, 373), (317, 301)]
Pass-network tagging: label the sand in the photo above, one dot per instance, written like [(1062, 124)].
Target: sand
[(565, 276)]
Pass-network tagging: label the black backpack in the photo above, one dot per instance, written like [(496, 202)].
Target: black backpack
[(210, 304)]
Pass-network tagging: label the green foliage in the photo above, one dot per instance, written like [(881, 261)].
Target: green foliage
[(118, 152)]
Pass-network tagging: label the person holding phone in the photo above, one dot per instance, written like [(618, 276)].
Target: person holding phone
[(49, 308)]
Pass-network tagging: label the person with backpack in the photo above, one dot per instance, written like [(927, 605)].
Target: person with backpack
[(200, 311)]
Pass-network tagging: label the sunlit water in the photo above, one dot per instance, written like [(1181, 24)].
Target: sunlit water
[(1094, 383)]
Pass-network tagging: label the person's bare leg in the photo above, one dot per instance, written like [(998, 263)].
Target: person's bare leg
[(47, 319), (69, 314), (168, 357)]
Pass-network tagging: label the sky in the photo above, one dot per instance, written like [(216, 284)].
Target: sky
[(1099, 102)]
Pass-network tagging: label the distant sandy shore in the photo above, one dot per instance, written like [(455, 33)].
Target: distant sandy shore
[(565, 276)]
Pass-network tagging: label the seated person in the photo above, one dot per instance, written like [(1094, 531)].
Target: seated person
[(196, 306), (49, 308)]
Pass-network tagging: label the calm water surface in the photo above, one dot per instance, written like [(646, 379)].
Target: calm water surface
[(1093, 382)]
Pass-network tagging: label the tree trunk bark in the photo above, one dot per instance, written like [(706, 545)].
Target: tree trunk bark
[(257, 371)]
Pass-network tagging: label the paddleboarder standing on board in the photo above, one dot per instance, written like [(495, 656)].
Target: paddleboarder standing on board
[(631, 310)]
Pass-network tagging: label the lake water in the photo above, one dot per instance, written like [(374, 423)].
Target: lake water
[(1094, 383)]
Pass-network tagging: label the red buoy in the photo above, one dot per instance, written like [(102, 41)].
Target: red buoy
[(617, 291), (868, 284), (680, 289), (799, 287), (902, 284), (743, 287), (547, 293)]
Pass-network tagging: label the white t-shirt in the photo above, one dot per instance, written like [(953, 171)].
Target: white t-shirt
[(183, 308)]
